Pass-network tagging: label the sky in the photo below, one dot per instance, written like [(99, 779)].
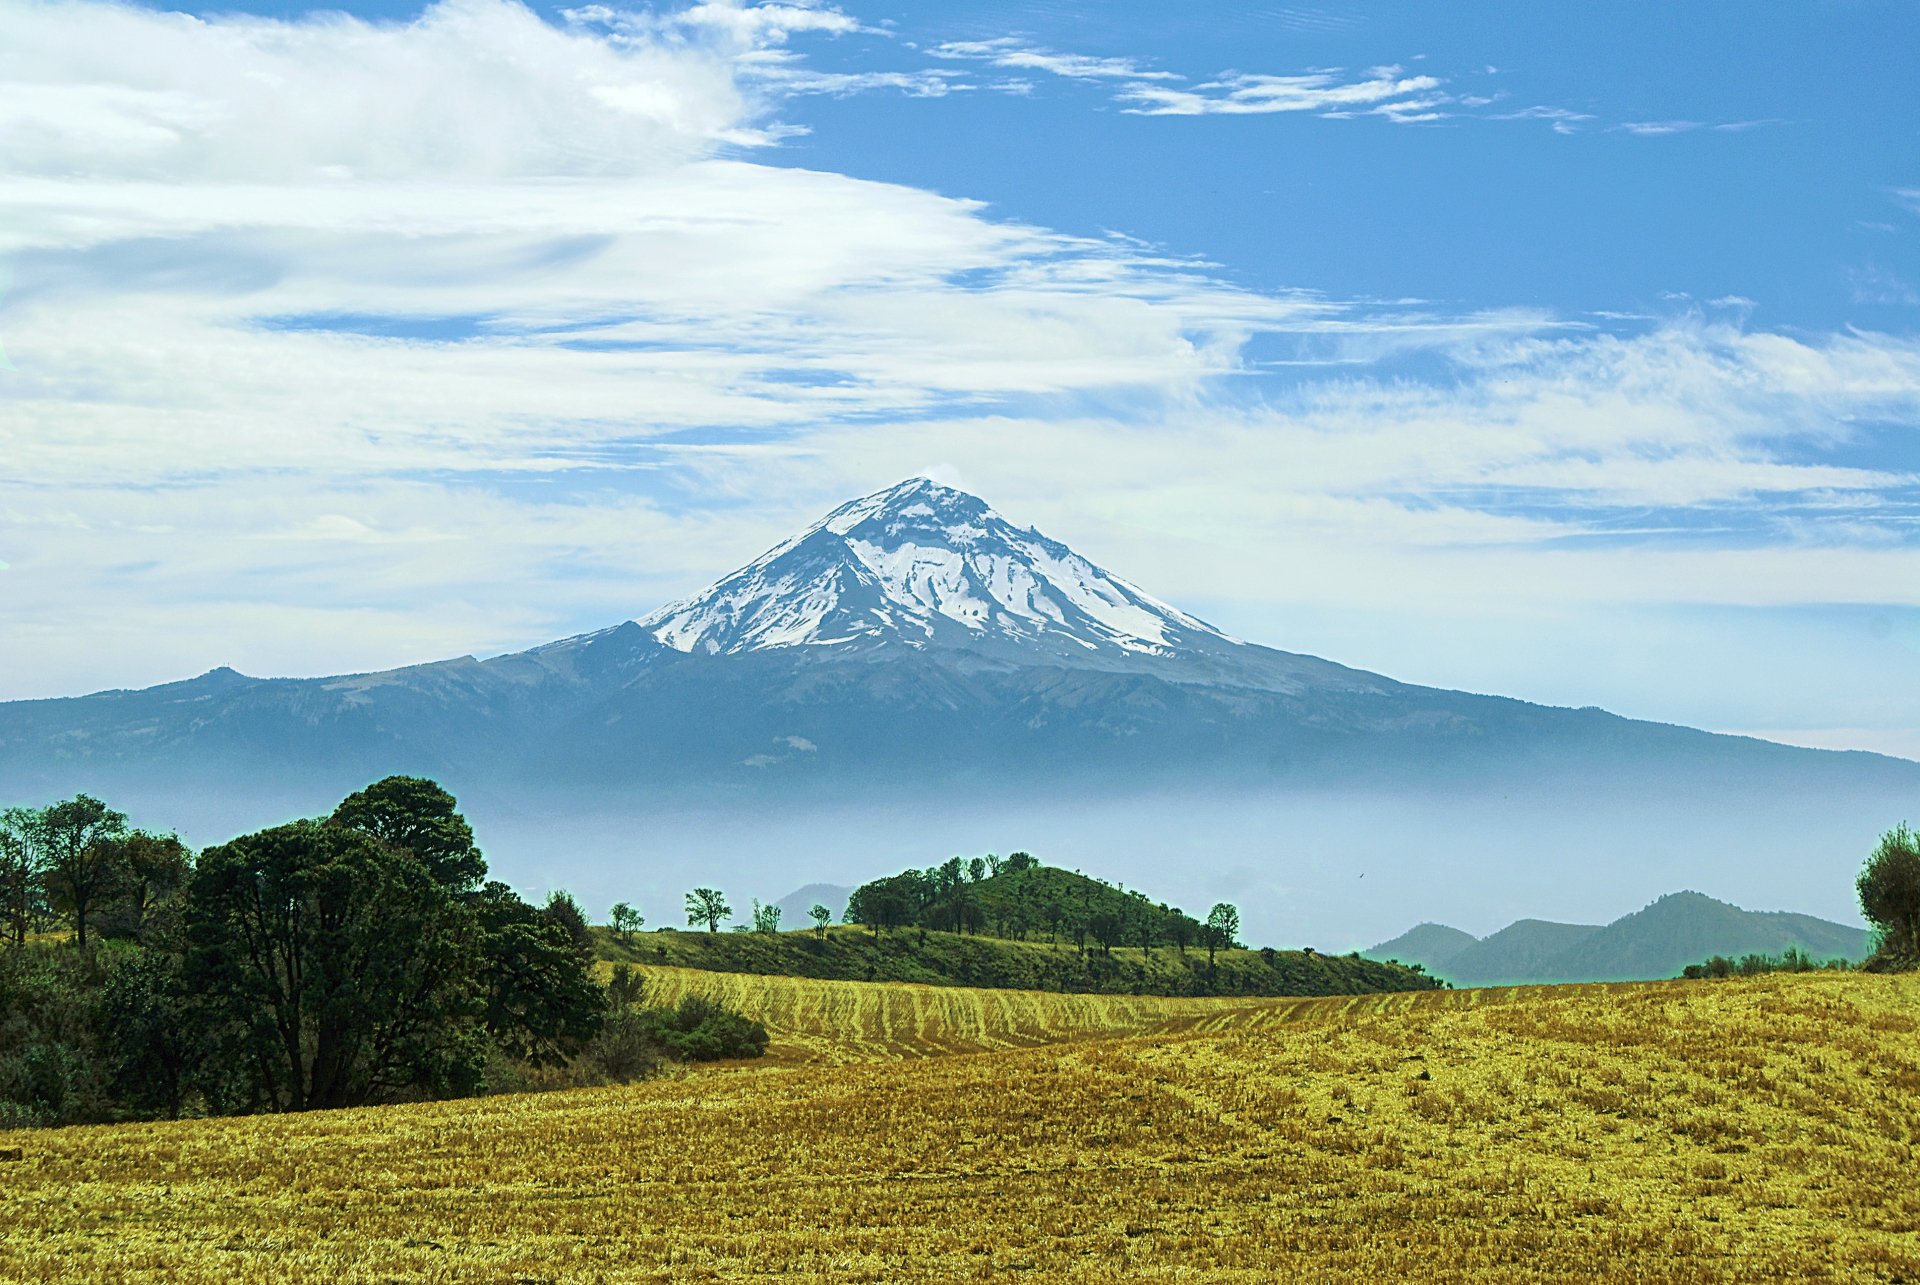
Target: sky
[(1569, 353)]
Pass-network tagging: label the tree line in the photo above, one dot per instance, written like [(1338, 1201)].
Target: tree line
[(356, 958)]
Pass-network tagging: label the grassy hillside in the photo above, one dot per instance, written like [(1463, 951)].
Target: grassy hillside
[(1698, 1132), (953, 959)]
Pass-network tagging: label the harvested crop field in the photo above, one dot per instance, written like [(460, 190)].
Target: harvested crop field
[(1762, 1129)]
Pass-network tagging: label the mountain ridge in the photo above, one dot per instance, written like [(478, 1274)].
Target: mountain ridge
[(1651, 943)]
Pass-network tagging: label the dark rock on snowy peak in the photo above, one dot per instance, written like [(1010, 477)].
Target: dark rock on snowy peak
[(910, 639)]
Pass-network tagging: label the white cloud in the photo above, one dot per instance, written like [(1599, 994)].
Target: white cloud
[(1319, 91), (472, 88), (1655, 128), (1016, 55)]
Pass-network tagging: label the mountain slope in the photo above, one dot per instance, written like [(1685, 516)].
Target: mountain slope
[(1656, 942), (1432, 946), (1686, 928), (1527, 950)]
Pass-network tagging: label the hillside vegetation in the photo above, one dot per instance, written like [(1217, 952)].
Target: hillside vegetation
[(953, 959), (1694, 1132)]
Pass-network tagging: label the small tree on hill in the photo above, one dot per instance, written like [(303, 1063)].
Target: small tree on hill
[(766, 919), (1223, 925), (707, 906), (624, 919), (1108, 929), (1018, 861), (821, 917), (1889, 887)]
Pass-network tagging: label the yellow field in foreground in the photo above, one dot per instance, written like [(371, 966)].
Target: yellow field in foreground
[(1751, 1130)]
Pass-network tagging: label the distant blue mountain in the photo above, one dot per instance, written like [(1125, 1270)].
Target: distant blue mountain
[(1657, 942)]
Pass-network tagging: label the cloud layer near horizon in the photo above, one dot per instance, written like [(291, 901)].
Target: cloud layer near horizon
[(344, 376)]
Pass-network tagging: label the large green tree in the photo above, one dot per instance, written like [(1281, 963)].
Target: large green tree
[(415, 815), (81, 851), (1889, 887), (341, 970)]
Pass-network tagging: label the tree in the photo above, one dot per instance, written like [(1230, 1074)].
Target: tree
[(151, 1047), (885, 903), (540, 1001), (977, 870), (153, 869), (1179, 929), (563, 910), (766, 919), (821, 917), (707, 906), (1108, 929), (22, 872), (1145, 925), (1889, 887), (624, 919), (1018, 861), (1223, 925), (81, 868), (341, 970), (415, 815)]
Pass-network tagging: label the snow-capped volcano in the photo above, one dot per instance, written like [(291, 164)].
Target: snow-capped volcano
[(919, 564)]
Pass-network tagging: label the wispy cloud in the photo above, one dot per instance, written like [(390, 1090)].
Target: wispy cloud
[(1012, 53), (1320, 91)]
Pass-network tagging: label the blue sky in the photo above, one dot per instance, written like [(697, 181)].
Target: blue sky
[(1564, 353)]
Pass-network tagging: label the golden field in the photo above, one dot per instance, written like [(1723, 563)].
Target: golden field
[(1762, 1129)]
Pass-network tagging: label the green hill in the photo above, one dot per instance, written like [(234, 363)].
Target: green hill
[(1432, 946), (1525, 951), (1023, 900), (1687, 927)]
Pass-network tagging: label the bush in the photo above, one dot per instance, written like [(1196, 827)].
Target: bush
[(1791, 960), (700, 1030)]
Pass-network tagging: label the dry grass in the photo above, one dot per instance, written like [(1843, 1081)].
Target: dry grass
[(1745, 1131)]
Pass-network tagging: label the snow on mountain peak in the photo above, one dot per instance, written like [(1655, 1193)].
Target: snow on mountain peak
[(919, 563)]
